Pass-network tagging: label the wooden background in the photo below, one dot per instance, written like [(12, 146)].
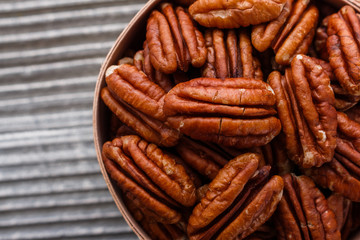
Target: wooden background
[(50, 55)]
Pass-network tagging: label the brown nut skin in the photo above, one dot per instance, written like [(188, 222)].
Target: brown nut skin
[(303, 212), (200, 157), (174, 42), (234, 14), (342, 207), (342, 174), (237, 201), (305, 106), (321, 37), (233, 112), (154, 181), (290, 34), (354, 113), (230, 55), (343, 45)]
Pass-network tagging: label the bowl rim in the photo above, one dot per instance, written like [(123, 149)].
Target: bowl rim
[(122, 39)]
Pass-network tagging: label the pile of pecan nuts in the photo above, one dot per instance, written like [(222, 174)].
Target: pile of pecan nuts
[(239, 120)]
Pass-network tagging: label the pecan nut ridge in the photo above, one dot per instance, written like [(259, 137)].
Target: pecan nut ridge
[(343, 45), (303, 212), (233, 205), (233, 112), (234, 14), (342, 174), (305, 105), (174, 41), (230, 55)]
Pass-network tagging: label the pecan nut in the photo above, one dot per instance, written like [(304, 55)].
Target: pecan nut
[(237, 202), (233, 112), (343, 45), (204, 160), (174, 41), (342, 174), (341, 206), (354, 113), (230, 55), (321, 37), (305, 106), (303, 212), (143, 63), (137, 102), (290, 34), (155, 179), (234, 14)]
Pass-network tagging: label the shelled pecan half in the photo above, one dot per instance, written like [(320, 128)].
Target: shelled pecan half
[(303, 212), (320, 40), (235, 112), (234, 14), (200, 157), (137, 102), (153, 178), (229, 55), (290, 34), (238, 201), (354, 113), (342, 174), (142, 62), (343, 45), (305, 106), (174, 41), (342, 207)]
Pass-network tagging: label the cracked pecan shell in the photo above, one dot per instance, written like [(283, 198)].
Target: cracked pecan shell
[(233, 112), (234, 14), (305, 106), (229, 55), (290, 34), (174, 41), (239, 200), (342, 174), (155, 179), (343, 45), (303, 212)]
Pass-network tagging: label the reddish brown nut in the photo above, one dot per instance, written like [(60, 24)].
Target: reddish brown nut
[(343, 100), (237, 202), (343, 45), (342, 174), (230, 55), (200, 157), (137, 102), (234, 14), (321, 39), (233, 112), (305, 105), (303, 212), (174, 42), (264, 232), (342, 208), (290, 34), (142, 62), (354, 113), (155, 180)]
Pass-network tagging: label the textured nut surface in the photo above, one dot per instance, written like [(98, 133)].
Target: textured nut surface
[(242, 198), (354, 113), (342, 174), (290, 34), (343, 46), (144, 161), (305, 105), (341, 206), (233, 112), (174, 42), (303, 212), (234, 14), (230, 55)]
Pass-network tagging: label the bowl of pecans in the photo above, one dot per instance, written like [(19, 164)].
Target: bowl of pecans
[(234, 120)]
